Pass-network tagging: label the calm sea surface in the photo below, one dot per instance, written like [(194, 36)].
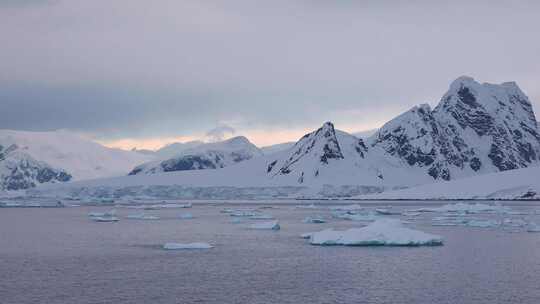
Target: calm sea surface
[(60, 256)]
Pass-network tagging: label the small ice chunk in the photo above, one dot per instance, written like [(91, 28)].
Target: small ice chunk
[(314, 220), (311, 206), (186, 216), (364, 217), (105, 219), (261, 217), (465, 208), (533, 227), (514, 222), (142, 216), (483, 223), (244, 213), (387, 232), (347, 208), (273, 225), (109, 213), (386, 211), (175, 206), (180, 246), (237, 220)]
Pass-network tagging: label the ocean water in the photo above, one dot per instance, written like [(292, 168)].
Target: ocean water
[(60, 256)]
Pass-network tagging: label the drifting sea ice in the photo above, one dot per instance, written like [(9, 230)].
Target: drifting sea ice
[(105, 219), (109, 213), (243, 213), (314, 220), (186, 216), (261, 217), (359, 217), (533, 227), (354, 207), (483, 223), (387, 232), (386, 211), (180, 246), (465, 208), (142, 216), (175, 206), (273, 225)]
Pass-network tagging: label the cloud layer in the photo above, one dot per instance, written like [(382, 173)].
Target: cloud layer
[(128, 69)]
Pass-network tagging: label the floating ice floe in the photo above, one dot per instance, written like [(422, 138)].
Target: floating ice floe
[(105, 219), (186, 216), (243, 213), (176, 206), (314, 220), (261, 217), (465, 208), (359, 217), (180, 246), (310, 206), (483, 223), (142, 216), (386, 211), (533, 227), (103, 214), (237, 220), (354, 207), (387, 232), (514, 223), (273, 225)]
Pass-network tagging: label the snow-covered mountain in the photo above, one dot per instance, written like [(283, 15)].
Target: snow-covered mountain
[(204, 156), (18, 170), (31, 158), (267, 150), (475, 129), (174, 149)]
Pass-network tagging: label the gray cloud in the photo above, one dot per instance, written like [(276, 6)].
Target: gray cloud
[(127, 69)]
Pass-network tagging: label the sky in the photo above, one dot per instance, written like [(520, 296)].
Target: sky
[(133, 73)]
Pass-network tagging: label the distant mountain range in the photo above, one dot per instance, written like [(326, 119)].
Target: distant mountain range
[(203, 156), (28, 159), (475, 129)]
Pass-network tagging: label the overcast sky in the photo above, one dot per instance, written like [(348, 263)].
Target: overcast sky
[(144, 73)]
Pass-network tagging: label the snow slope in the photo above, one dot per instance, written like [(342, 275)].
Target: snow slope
[(511, 184), (80, 158), (204, 156)]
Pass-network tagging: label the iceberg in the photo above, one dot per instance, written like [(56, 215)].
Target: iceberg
[(180, 246), (314, 220), (142, 216), (383, 232), (273, 225)]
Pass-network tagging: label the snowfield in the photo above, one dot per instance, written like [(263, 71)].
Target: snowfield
[(513, 184)]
